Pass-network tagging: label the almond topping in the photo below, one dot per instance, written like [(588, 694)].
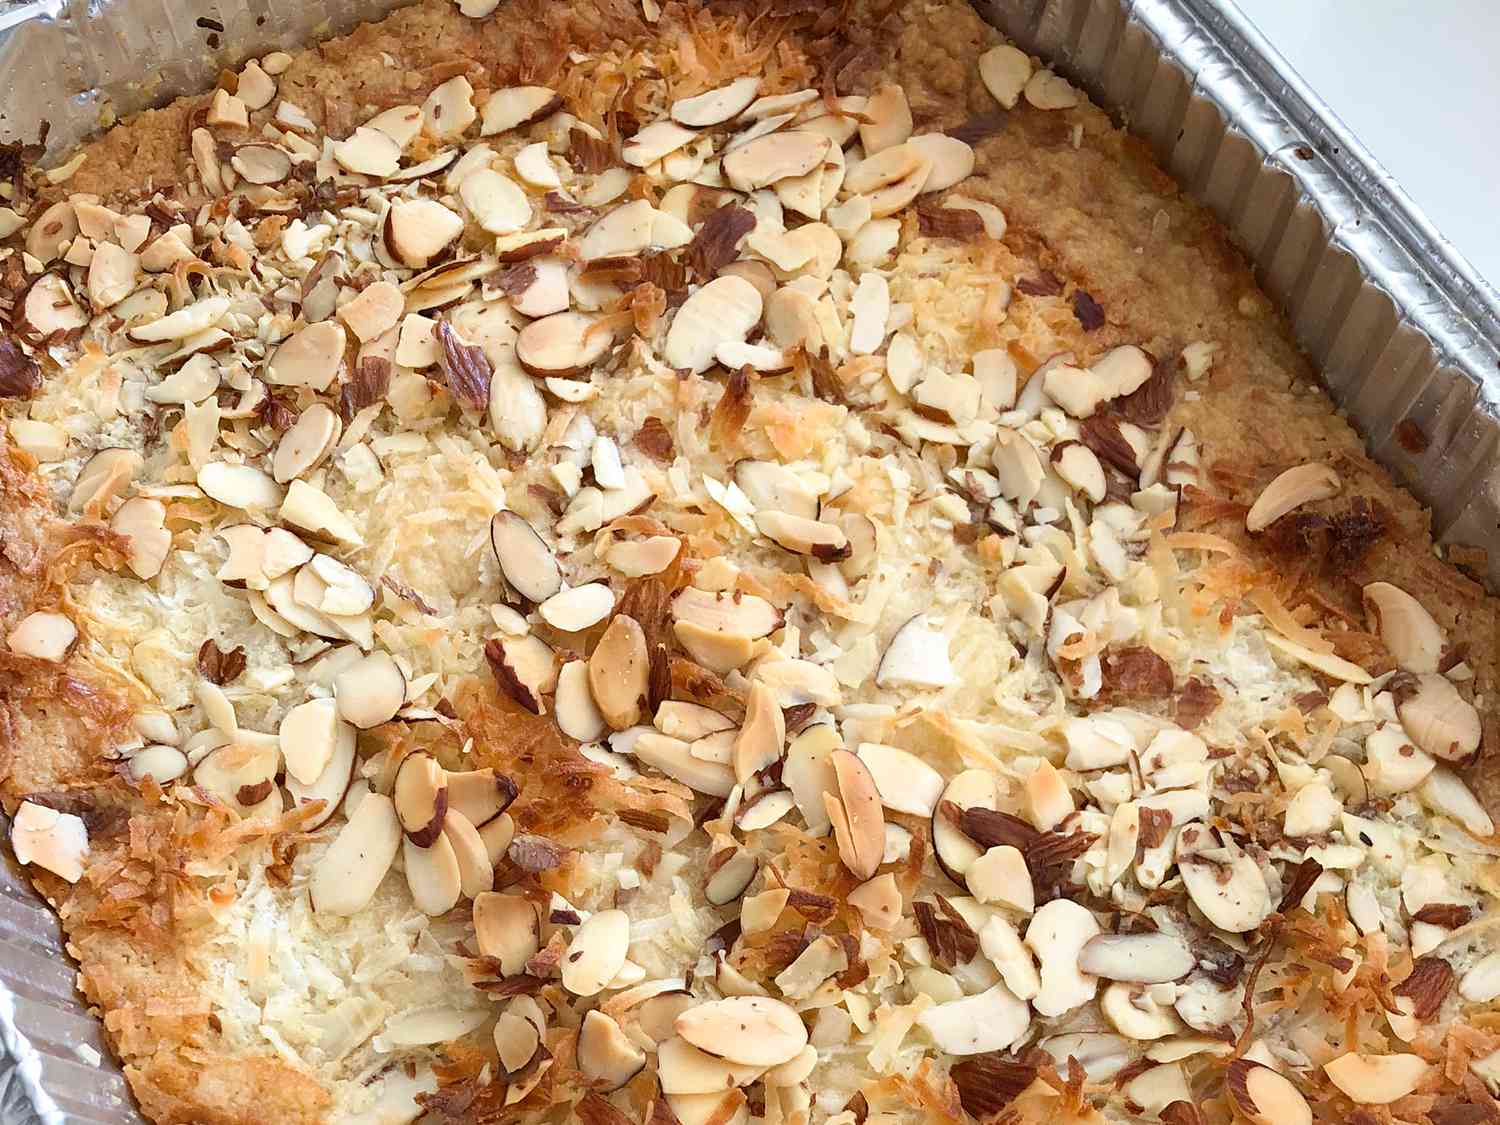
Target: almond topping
[(516, 106), (309, 732), (305, 443), (525, 559), (620, 672), (374, 312), (714, 107), (368, 152), (562, 344), (1143, 958), (745, 1030), (1005, 70), (577, 715), (597, 953), (859, 824), (497, 204), (1264, 1096), (143, 521), (418, 230), (239, 486), (1302, 484), (724, 310), (421, 798), (57, 841), (370, 691), (1439, 720), (1376, 1079), (606, 1056), (432, 874), (508, 928), (581, 607), (777, 156), (310, 357)]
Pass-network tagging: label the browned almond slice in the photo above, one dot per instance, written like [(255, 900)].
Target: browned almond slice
[(309, 734), (562, 344), (1302, 484), (240, 774), (716, 650), (374, 312), (480, 795), (776, 156), (636, 558), (888, 119), (432, 874), (748, 1030), (714, 107), (346, 876), (421, 796), (496, 202), (526, 667), (507, 927), (1005, 70), (514, 106), (142, 521), (597, 952), (42, 636), (620, 672), (1371, 1079), (332, 784), (724, 310), (730, 870), (809, 773), (685, 1071), (1078, 465), (305, 443), (368, 152), (952, 160), (865, 843), (577, 716), (370, 691), (527, 562), (675, 758), (310, 357), (689, 721), (476, 872), (239, 486), (1265, 1097), (57, 841), (516, 1038), (1047, 90), (891, 178), (606, 1056), (954, 851), (762, 738), (578, 608), (102, 478), (823, 541)]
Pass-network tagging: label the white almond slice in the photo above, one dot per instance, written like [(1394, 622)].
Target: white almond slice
[(597, 952), (56, 841), (418, 230), (371, 691), (622, 232), (309, 735), (46, 442), (420, 792), (195, 318), (476, 871), (432, 874), (774, 487), (606, 187), (516, 1038), (305, 443), (282, 552), (761, 741), (310, 357), (42, 636), (1265, 1097), (112, 275), (638, 558), (577, 715), (368, 152), (777, 156), (955, 853), (50, 231), (1046, 90), (675, 758), (1229, 889), (1144, 958), (1409, 632), (724, 310), (1326, 662), (331, 785), (527, 563), (809, 773), (142, 521), (990, 1021), (534, 164), (564, 343), (508, 928), (607, 1057), (1001, 876), (480, 795), (430, 1026), (684, 1070), (1057, 932), (952, 160), (776, 104), (823, 541), (579, 608), (1369, 1079), (905, 782), (871, 309), (714, 107), (1302, 484), (765, 811), (401, 123), (619, 672), (1005, 70), (449, 109), (655, 141), (498, 205), (747, 1030), (737, 613), (261, 164), (891, 178), (418, 345), (887, 119), (548, 292), (239, 486), (241, 774), (858, 823), (374, 312), (1440, 720), (689, 721), (497, 835), (515, 106), (162, 764), (737, 355), (1079, 466), (312, 510), (917, 656), (527, 669), (193, 382), (246, 543)]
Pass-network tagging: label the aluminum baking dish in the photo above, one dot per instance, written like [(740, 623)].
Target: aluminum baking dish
[(1401, 326)]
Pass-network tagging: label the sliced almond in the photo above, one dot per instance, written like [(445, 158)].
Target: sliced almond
[(548, 291), (762, 738), (714, 107), (808, 772), (189, 321), (368, 152), (676, 759), (823, 541), (620, 671), (525, 559), (508, 928), (746, 1030), (1302, 484), (309, 734), (905, 782), (1047, 90), (622, 232), (1005, 70), (331, 785), (1078, 465), (685, 1071), (862, 842), (742, 614), (579, 608), (112, 275), (989, 1021), (305, 442), (102, 478), (418, 230), (480, 795), (887, 119), (1369, 1079), (636, 558), (952, 160), (606, 1056), (1144, 958), (374, 312), (370, 691), (955, 852), (162, 764), (1440, 720), (1265, 1097), (421, 797), (56, 841), (564, 343), (725, 309), (777, 156), (577, 715), (476, 871), (310, 357), (718, 651), (449, 109), (1229, 889), (49, 308), (432, 874), (142, 521), (526, 667), (261, 164), (516, 1038), (240, 774), (597, 953), (917, 656), (655, 141), (1408, 631), (54, 227), (515, 106), (690, 721), (498, 205), (890, 179), (769, 485), (534, 165), (765, 810), (239, 486)]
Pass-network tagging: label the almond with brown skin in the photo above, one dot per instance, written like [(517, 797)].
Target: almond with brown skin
[(421, 798), (620, 672)]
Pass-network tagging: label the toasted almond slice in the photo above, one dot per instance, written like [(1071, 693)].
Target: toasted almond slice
[(548, 292), (313, 511), (622, 232), (344, 591), (374, 312), (1408, 631), (862, 839), (735, 355), (606, 1056), (418, 230), (305, 443), (1078, 465), (525, 559), (577, 715), (49, 308), (112, 275), (597, 952), (1439, 720), (1229, 890), (193, 382), (714, 107), (675, 758), (240, 774), (792, 320), (952, 160), (42, 636), (773, 486), (239, 486), (562, 344), (421, 797), (103, 477), (1265, 1097), (368, 152), (515, 106), (887, 119), (480, 795), (430, 1026), (310, 357), (526, 667), (1302, 484), (888, 168), (46, 442), (142, 521), (746, 1030), (684, 1070), (823, 541), (1146, 958), (508, 928), (516, 1038), (370, 691), (765, 810), (579, 608), (56, 841), (777, 156), (309, 735), (725, 309), (476, 871), (905, 782), (762, 738), (619, 672), (497, 835), (636, 558), (332, 784), (690, 721), (1047, 90), (917, 656), (955, 852), (496, 203), (57, 225), (449, 109), (534, 164), (718, 651), (261, 164), (1005, 70), (809, 773), (432, 874), (162, 764), (198, 317), (655, 141), (745, 615)]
